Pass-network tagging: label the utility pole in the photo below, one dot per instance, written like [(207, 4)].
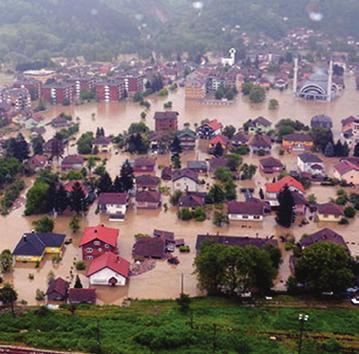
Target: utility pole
[(182, 283), (98, 336), (214, 338), (302, 319)]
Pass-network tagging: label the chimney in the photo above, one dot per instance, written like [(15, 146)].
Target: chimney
[(24, 237), (295, 78), (330, 81)]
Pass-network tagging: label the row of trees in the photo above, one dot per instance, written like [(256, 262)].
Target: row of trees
[(223, 269)]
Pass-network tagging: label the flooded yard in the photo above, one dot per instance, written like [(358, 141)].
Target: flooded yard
[(164, 281)]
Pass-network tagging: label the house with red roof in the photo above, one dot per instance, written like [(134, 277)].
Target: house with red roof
[(108, 269), (273, 189), (82, 296), (69, 186), (347, 170), (97, 240), (38, 162), (218, 139), (209, 129), (57, 290)]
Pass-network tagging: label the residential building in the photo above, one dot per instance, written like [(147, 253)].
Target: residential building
[(148, 200), (187, 137), (197, 166), (239, 241), (113, 203), (33, 87), (273, 189), (323, 235), (192, 201), (329, 212), (216, 163), (185, 180), (271, 165), (149, 247), (166, 121), (58, 93), (133, 83), (261, 144), (97, 240), (239, 139), (347, 170), (108, 269), (19, 98), (297, 142), (251, 210), (259, 125), (83, 84), (82, 296), (102, 144), (144, 165), (195, 87), (147, 182), (33, 246), (38, 162), (58, 290), (310, 163), (112, 90), (60, 122), (218, 139), (209, 129)]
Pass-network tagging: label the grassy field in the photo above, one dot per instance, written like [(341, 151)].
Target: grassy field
[(218, 326)]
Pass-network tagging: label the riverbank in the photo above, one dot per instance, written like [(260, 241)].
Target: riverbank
[(218, 325)]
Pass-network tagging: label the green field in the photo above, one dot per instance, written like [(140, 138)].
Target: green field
[(218, 326)]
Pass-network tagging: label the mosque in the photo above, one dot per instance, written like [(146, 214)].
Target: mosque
[(319, 86)]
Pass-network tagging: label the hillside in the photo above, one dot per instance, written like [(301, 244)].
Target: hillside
[(102, 29)]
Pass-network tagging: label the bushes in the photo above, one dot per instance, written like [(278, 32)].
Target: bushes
[(184, 249), (349, 212), (169, 336), (80, 265), (199, 214), (11, 193)]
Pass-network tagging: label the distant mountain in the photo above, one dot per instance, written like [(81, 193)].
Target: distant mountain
[(100, 29)]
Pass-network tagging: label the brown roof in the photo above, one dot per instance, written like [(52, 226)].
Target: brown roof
[(324, 235), (297, 137), (113, 198), (59, 285), (185, 172), (191, 201), (147, 181), (153, 247), (240, 241), (261, 141), (216, 163), (148, 197), (251, 207), (270, 162), (144, 161), (78, 296), (73, 160), (330, 209), (165, 115)]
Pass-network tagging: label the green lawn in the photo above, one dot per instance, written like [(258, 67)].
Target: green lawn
[(219, 325)]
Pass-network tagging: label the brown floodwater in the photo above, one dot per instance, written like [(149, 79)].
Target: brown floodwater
[(164, 281)]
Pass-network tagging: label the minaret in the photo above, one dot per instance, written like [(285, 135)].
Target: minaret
[(295, 77), (330, 81)]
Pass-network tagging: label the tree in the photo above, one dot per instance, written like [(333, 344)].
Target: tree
[(338, 149), (215, 195), (229, 131), (312, 199), (75, 224), (273, 104), (78, 284), (38, 145), (175, 146), (137, 144), (261, 194), (175, 197), (230, 190), (17, 147), (220, 218), (257, 94), (218, 150), (176, 161), (356, 150), (57, 146), (61, 199), (138, 128), (325, 266), (43, 225), (8, 297), (126, 176), (349, 212), (105, 183), (233, 161), (36, 199), (183, 302), (6, 261), (91, 163), (248, 171), (285, 214), (85, 143), (321, 138), (329, 150), (78, 199)]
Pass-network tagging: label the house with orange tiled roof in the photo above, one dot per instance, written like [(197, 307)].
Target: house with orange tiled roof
[(273, 189), (209, 129)]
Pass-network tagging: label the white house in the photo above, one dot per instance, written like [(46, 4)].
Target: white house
[(113, 203), (310, 163), (185, 180), (108, 269), (251, 210)]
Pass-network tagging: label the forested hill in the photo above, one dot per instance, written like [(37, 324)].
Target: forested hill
[(100, 29)]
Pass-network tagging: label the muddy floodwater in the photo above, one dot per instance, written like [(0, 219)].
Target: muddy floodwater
[(164, 281)]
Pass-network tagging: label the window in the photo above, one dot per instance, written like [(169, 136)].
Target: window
[(97, 243), (89, 258), (256, 217), (89, 250), (245, 216), (107, 246), (99, 249)]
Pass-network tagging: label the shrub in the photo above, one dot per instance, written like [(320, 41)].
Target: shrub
[(184, 249), (344, 221), (183, 302), (80, 265), (349, 212), (185, 214), (199, 214), (40, 295)]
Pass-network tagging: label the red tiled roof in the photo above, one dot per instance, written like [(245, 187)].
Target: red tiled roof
[(69, 186), (289, 181), (218, 139), (101, 233), (82, 295), (59, 286), (346, 166), (111, 261), (214, 124)]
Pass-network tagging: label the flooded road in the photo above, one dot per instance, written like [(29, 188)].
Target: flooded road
[(164, 280)]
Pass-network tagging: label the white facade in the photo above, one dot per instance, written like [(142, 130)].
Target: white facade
[(185, 184), (116, 209), (242, 217), (104, 276), (231, 60), (308, 167)]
